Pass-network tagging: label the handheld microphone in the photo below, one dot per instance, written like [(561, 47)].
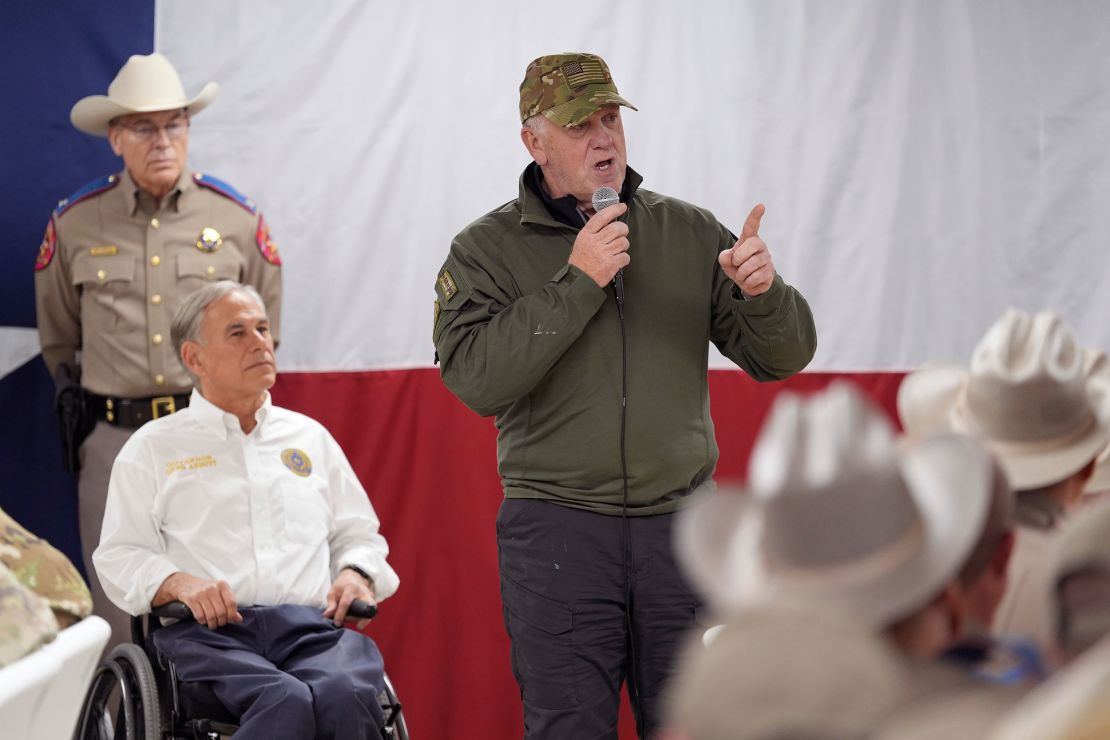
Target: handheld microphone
[(603, 198)]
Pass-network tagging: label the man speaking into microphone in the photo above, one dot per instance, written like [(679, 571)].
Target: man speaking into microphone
[(586, 333)]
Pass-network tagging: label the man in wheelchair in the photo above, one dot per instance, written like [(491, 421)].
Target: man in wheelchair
[(252, 517)]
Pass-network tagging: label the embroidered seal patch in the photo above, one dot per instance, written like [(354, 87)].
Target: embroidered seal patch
[(297, 461), (46, 249), (265, 243)]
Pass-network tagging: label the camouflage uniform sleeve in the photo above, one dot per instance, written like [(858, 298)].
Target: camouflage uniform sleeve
[(771, 336), (26, 622), (263, 271), (57, 303), (494, 348), (45, 570)]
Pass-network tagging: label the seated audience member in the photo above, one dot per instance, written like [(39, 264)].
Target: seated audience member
[(1096, 365), (782, 671), (1026, 396), (26, 621), (251, 515), (838, 516), (1074, 704), (983, 577), (45, 570), (1076, 584)]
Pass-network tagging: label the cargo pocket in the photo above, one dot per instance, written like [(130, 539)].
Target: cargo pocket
[(543, 651)]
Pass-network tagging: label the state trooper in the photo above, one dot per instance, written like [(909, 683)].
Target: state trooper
[(118, 258)]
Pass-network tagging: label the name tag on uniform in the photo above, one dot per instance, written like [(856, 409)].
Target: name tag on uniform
[(105, 251), (190, 463)]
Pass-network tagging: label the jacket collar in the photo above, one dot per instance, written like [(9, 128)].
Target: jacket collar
[(537, 207)]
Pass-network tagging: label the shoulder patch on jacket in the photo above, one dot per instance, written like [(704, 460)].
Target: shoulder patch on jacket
[(85, 192), (265, 243), (47, 248), (221, 187), (452, 286)]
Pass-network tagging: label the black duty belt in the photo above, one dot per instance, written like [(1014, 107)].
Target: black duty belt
[(132, 413)]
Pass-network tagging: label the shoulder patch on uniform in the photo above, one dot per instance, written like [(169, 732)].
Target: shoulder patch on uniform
[(265, 243), (447, 284), (221, 187), (85, 192), (46, 249)]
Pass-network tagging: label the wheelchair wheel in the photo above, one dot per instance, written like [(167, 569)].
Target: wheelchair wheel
[(395, 727), (123, 699)]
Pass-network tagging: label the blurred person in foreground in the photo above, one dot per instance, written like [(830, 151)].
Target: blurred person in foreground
[(841, 517), (1074, 585), (1027, 396)]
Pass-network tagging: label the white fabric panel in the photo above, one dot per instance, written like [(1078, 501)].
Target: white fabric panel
[(18, 344), (924, 164)]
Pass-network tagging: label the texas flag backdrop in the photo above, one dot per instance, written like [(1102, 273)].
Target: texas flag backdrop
[(924, 166)]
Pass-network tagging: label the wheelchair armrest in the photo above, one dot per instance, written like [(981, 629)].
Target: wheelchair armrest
[(172, 610), (362, 609), (178, 610)]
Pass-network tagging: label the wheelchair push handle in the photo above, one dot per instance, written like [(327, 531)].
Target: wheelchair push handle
[(177, 610)]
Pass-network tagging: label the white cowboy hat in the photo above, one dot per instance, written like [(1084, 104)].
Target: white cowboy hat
[(837, 515), (1096, 366), (145, 84), (1025, 395)]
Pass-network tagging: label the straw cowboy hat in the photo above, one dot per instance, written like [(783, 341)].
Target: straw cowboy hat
[(781, 671), (1025, 395), (145, 84), (837, 515), (1096, 366)]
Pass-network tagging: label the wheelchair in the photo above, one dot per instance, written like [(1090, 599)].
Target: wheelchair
[(134, 694)]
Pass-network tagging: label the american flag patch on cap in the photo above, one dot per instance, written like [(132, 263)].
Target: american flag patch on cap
[(584, 72)]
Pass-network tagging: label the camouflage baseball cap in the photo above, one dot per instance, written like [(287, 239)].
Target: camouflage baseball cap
[(567, 88)]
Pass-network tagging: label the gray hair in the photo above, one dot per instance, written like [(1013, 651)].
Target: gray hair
[(535, 124), (186, 323)]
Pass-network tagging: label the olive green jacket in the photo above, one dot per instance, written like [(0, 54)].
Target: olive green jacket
[(523, 336)]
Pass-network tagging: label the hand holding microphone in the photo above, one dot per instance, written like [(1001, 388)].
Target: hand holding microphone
[(748, 263), (601, 248)]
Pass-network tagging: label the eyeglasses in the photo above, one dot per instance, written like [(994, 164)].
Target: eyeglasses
[(148, 132)]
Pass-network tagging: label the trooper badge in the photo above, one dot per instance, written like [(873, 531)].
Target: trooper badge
[(210, 240)]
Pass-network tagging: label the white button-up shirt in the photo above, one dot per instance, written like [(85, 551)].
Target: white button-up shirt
[(276, 513)]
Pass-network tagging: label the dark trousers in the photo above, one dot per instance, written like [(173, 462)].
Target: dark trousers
[(583, 616), (286, 672)]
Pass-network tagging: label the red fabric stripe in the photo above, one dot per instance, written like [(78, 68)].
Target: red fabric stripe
[(429, 465)]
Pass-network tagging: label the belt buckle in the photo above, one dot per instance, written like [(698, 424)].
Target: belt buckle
[(162, 406)]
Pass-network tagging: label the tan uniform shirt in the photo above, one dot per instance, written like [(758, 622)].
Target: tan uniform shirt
[(114, 268), (1024, 611)]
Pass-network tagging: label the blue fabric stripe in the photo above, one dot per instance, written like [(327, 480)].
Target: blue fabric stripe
[(51, 55)]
